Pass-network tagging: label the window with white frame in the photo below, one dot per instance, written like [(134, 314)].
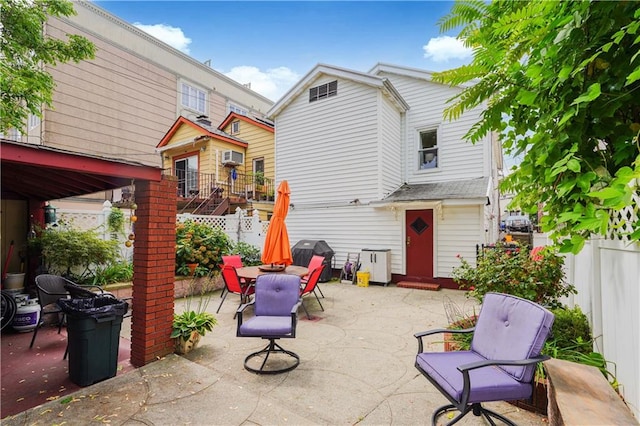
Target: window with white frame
[(235, 127), (34, 121), (323, 91), (258, 165), (193, 98), (11, 134), (428, 149), (238, 110)]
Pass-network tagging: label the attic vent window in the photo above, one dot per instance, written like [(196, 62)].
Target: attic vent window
[(323, 91)]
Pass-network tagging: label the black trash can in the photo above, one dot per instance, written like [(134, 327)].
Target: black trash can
[(93, 330), (304, 250)]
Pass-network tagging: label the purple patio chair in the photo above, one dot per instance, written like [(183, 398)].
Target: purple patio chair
[(275, 305), (508, 338)]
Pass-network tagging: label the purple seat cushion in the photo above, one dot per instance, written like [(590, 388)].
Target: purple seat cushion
[(511, 328), (487, 383), (276, 294), (267, 326)]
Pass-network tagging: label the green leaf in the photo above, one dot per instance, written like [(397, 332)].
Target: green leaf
[(526, 97), (592, 93), (606, 193), (633, 77), (573, 165)]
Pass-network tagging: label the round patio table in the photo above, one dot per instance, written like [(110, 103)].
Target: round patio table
[(252, 272)]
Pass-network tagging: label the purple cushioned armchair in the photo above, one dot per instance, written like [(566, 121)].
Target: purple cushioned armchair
[(508, 338), (276, 302)]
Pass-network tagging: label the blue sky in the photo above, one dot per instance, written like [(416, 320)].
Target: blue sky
[(273, 44)]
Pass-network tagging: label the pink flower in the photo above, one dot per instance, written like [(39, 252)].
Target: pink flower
[(458, 256)]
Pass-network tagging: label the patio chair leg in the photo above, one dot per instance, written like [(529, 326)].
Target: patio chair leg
[(320, 290), (221, 302), (305, 310), (35, 333), (319, 303)]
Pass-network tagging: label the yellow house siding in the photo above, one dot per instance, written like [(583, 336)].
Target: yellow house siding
[(261, 145)]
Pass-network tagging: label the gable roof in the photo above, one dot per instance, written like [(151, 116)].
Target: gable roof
[(417, 73), (374, 81), (263, 124), (206, 129)]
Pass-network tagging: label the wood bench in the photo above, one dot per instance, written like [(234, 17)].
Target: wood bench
[(580, 395)]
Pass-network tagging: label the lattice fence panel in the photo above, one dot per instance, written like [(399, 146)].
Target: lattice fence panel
[(622, 222), (82, 220)]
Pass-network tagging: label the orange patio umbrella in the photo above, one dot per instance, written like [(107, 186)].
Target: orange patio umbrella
[(277, 250)]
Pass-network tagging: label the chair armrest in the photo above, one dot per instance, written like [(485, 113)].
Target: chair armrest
[(465, 368), (239, 313), (488, 362), (421, 334), (294, 309), (294, 317)]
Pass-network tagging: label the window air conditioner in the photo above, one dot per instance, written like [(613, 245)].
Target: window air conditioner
[(232, 158)]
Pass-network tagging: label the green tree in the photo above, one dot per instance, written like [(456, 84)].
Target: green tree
[(24, 48), (559, 81)]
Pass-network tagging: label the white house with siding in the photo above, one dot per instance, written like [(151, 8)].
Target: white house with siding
[(372, 164)]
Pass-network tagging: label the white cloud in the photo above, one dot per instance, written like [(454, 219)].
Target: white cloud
[(173, 36), (272, 83), (444, 48)]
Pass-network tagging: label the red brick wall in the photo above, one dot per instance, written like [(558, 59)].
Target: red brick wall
[(153, 270)]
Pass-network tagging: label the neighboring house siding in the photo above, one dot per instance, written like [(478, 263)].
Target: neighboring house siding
[(260, 146), (121, 103), (116, 105), (457, 159), (459, 229), (330, 147)]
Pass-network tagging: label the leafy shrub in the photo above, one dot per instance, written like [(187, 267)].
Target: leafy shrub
[(511, 270), (202, 244), (74, 253), (570, 331), (250, 254), (113, 273)]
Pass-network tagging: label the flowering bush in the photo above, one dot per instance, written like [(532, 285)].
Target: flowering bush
[(510, 269), (201, 244)]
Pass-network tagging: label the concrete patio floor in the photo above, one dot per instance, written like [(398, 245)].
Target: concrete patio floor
[(356, 367)]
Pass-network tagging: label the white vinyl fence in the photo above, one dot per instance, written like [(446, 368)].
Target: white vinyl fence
[(606, 274)]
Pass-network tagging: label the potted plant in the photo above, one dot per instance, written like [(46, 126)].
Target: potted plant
[(194, 322)]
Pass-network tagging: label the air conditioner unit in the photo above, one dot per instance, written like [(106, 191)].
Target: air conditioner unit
[(232, 158)]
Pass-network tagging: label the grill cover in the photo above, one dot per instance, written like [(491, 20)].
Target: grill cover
[(304, 250)]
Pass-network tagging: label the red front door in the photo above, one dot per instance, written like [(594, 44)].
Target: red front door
[(419, 231)]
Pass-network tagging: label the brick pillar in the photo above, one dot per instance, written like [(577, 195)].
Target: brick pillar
[(153, 270)]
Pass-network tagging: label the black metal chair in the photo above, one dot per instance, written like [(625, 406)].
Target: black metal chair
[(50, 289)]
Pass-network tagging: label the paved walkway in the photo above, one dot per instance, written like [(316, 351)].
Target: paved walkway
[(356, 368)]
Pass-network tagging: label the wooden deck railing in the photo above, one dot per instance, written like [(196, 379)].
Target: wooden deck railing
[(204, 192)]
